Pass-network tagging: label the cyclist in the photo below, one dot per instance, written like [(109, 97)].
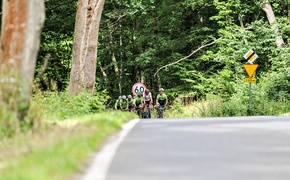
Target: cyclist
[(138, 103), (130, 103), (161, 100), (124, 103), (148, 101), (117, 106)]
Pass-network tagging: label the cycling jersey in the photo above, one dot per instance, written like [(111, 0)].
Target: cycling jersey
[(138, 100), (147, 97), (162, 99), (123, 104), (130, 102)]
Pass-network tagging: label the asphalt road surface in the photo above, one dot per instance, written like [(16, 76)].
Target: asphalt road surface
[(233, 148)]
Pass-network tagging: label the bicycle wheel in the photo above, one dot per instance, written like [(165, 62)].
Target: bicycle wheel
[(159, 113)]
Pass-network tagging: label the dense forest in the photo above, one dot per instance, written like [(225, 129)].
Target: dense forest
[(63, 64), (190, 48)]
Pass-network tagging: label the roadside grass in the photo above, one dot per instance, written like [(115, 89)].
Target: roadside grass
[(60, 105), (59, 151), (216, 107)]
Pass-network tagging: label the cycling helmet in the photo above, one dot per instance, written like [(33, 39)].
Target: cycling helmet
[(123, 97), (147, 91), (120, 97), (129, 96), (161, 89), (139, 93)]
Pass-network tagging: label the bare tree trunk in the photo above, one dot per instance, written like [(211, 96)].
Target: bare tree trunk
[(266, 6), (143, 78), (83, 71), (121, 62), (159, 81), (242, 25), (104, 75), (117, 72), (22, 22), (114, 61)]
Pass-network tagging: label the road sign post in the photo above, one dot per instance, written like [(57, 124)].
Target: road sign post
[(251, 68), (249, 111)]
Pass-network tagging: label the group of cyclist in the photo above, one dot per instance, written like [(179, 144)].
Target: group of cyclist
[(142, 103)]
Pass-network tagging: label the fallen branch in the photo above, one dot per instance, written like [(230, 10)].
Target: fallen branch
[(201, 47)]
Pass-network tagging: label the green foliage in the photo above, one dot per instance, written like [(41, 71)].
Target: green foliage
[(59, 105), (138, 38), (9, 124), (57, 41), (50, 106), (235, 107)]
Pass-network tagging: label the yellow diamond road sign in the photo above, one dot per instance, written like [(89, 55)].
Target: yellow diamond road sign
[(251, 56)]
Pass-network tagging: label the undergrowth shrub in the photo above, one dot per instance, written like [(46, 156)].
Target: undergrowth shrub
[(60, 105), (241, 105), (50, 106), (9, 124)]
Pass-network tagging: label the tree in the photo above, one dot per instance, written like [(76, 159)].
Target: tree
[(55, 55), (83, 71), (22, 22), (266, 6), (136, 38)]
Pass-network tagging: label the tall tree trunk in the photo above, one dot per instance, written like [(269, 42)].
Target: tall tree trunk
[(143, 78), (83, 71), (266, 6), (114, 60), (121, 59), (117, 71), (105, 76), (22, 22)]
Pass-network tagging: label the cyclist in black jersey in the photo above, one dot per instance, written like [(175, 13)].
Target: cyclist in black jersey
[(138, 103), (161, 102), (131, 106)]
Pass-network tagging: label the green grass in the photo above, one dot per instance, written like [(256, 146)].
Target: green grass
[(59, 105), (216, 107), (61, 150)]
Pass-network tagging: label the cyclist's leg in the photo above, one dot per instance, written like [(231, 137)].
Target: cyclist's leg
[(163, 109), (140, 109), (157, 109), (147, 111), (147, 106)]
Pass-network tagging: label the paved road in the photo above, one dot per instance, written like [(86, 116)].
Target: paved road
[(234, 148)]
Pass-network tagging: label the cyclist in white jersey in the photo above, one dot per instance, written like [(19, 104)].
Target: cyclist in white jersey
[(147, 97)]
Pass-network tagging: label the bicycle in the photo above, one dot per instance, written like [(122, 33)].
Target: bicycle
[(146, 112), (139, 110), (131, 109), (160, 110)]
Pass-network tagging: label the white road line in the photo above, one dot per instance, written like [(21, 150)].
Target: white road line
[(102, 160)]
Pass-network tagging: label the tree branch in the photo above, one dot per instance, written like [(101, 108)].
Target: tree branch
[(44, 66), (201, 47)]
